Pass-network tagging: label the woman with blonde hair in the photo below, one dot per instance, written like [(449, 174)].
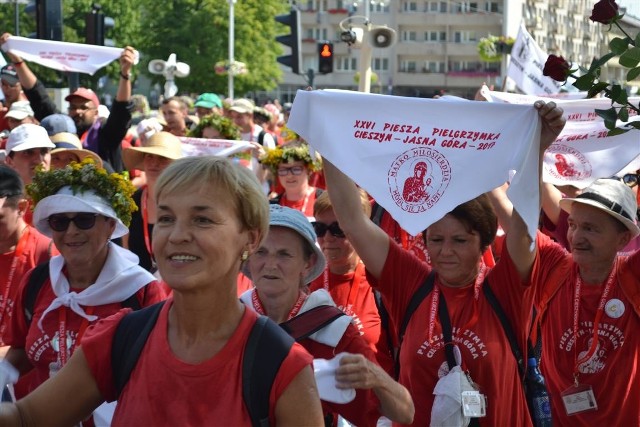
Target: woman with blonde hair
[(211, 216)]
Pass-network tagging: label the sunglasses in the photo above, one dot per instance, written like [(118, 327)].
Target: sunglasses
[(295, 170), (82, 221), (321, 229), (631, 179)]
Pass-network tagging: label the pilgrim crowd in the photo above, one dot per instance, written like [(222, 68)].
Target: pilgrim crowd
[(139, 281)]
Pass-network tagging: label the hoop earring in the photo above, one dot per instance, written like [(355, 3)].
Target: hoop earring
[(245, 256)]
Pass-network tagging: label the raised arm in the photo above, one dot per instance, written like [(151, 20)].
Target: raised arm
[(26, 76), (518, 241), (358, 372), (66, 399), (370, 241)]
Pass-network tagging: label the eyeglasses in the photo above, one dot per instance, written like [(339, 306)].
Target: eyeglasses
[(295, 170), (321, 229), (631, 179), (83, 221)]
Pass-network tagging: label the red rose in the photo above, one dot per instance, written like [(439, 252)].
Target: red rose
[(557, 68), (604, 11)]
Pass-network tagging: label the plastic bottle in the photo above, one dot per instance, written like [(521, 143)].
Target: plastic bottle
[(537, 395)]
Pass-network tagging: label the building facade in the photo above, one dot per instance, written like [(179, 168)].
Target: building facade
[(437, 41)]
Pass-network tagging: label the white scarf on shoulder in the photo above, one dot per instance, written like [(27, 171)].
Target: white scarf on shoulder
[(121, 277), (329, 335)]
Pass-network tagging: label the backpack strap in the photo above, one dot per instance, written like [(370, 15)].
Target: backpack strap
[(131, 335), (311, 321), (506, 326), (267, 347), (261, 137), (39, 275), (417, 297)]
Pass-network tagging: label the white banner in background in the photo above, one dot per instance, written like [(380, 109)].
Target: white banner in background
[(420, 158), (574, 109), (583, 152), (526, 65), (192, 147), (63, 56)]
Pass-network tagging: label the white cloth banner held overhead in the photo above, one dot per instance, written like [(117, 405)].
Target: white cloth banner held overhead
[(582, 152), (526, 64), (63, 56), (420, 158)]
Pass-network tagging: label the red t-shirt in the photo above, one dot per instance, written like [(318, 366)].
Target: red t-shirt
[(163, 390), (613, 371), (364, 409), (483, 344), (352, 294), (39, 344), (37, 249), (304, 205)]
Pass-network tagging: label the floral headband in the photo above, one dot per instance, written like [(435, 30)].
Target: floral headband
[(292, 153), (114, 188)]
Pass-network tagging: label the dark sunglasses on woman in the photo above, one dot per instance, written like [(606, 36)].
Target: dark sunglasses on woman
[(631, 179), (321, 229), (83, 221)]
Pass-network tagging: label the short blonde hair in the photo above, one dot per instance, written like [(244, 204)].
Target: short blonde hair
[(241, 185)]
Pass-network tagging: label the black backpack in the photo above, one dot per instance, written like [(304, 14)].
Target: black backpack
[(266, 349), (38, 276)]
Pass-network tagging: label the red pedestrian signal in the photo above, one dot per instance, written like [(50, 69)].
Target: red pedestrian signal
[(325, 58)]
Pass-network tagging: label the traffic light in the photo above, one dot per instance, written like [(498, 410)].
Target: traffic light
[(48, 16), (96, 25), (294, 60), (325, 58)]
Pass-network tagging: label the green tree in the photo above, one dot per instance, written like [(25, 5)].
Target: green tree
[(197, 31)]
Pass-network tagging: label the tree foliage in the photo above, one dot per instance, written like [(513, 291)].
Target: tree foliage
[(197, 31)]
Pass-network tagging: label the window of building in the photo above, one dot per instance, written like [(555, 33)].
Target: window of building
[(346, 64), (465, 36), (493, 7), (435, 7), (408, 66), (466, 7), (435, 36), (433, 67), (380, 64), (409, 6), (409, 36)]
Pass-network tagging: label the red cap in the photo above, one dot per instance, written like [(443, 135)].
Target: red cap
[(84, 93)]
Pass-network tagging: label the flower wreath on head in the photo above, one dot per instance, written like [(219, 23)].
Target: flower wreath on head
[(114, 188), (227, 128), (291, 153)]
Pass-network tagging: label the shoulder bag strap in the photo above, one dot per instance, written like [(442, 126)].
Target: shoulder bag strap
[(311, 321)]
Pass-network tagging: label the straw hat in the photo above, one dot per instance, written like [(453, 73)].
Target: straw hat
[(612, 197), (161, 144), (69, 142)]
